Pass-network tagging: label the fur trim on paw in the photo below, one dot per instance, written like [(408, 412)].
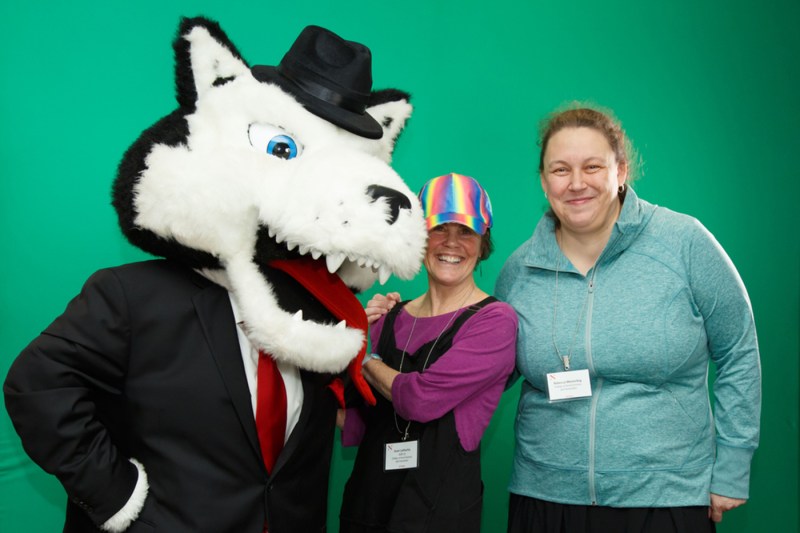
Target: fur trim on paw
[(130, 512)]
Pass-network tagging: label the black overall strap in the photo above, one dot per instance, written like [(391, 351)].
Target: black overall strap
[(387, 342)]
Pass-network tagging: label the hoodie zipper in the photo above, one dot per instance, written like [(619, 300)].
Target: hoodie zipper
[(590, 363), (596, 393)]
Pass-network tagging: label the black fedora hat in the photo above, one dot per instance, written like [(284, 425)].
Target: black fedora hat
[(330, 77)]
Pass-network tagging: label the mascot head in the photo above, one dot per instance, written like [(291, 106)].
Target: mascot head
[(269, 169)]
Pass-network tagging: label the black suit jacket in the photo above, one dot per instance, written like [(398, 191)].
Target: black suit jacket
[(145, 363)]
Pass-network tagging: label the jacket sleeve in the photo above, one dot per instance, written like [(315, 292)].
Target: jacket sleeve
[(63, 393), (722, 300)]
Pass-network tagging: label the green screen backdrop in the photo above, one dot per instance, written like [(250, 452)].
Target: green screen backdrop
[(708, 91)]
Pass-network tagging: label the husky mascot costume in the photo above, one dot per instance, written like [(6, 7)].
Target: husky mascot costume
[(193, 393)]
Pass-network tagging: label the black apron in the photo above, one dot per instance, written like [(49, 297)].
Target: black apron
[(444, 493)]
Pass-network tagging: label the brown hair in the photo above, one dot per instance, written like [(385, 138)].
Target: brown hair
[(487, 247), (582, 116)]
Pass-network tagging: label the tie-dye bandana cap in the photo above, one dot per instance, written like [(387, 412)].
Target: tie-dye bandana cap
[(456, 198)]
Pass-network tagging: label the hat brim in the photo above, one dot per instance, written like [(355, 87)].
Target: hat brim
[(473, 223), (362, 125)]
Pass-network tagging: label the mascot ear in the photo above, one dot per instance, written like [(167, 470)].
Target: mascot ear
[(391, 109), (204, 58)]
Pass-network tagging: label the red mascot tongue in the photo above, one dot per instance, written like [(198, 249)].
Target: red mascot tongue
[(331, 291)]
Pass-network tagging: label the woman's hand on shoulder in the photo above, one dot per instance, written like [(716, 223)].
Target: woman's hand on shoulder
[(381, 304), (722, 504)]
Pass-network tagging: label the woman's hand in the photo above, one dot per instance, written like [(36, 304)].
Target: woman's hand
[(721, 504), (340, 418), (379, 305)]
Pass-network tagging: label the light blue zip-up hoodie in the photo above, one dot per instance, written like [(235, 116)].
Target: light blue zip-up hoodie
[(665, 300)]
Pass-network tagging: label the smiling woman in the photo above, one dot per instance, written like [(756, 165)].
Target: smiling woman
[(452, 253), (440, 365), (584, 168), (633, 302)]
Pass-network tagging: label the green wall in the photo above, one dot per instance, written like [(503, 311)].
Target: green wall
[(708, 92)]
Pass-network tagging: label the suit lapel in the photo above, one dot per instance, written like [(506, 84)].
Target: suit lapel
[(216, 317)]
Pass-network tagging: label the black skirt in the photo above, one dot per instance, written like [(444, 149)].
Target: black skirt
[(530, 515)]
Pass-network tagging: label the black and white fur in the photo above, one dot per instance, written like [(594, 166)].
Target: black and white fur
[(199, 187)]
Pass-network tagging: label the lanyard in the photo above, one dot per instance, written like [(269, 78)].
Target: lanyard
[(404, 433), (564, 358)]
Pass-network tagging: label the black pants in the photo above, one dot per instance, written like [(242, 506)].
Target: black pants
[(530, 515)]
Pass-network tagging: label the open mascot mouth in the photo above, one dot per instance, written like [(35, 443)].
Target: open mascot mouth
[(338, 299)]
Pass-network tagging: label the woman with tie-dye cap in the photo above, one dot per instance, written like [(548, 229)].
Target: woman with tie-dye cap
[(439, 364)]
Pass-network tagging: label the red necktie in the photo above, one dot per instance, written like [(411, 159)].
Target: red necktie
[(270, 409)]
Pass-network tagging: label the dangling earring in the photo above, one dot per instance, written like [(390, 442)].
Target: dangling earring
[(621, 189)]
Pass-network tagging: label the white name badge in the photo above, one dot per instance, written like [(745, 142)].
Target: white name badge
[(401, 455), (571, 385)]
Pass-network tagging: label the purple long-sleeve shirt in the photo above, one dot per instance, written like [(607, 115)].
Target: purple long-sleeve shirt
[(468, 379)]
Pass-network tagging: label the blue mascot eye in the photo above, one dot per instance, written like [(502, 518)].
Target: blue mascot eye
[(282, 146), (273, 141)]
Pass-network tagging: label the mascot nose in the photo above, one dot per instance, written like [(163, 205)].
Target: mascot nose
[(396, 199)]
